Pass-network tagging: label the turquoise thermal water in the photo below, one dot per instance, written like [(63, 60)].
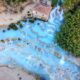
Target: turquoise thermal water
[(36, 51)]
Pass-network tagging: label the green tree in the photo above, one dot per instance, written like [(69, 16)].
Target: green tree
[(69, 36), (69, 4)]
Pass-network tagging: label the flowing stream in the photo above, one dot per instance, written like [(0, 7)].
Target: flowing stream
[(33, 49)]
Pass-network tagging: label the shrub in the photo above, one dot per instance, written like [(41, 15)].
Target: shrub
[(2, 41), (8, 28), (31, 20), (13, 26)]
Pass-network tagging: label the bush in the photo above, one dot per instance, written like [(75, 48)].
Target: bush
[(13, 2), (2, 41), (54, 2), (19, 23), (13, 26), (69, 36), (19, 39)]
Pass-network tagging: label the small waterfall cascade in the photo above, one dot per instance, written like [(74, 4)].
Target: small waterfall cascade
[(56, 14)]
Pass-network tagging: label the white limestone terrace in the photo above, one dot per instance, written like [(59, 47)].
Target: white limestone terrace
[(36, 51)]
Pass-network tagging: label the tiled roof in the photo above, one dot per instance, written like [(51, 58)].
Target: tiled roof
[(45, 9)]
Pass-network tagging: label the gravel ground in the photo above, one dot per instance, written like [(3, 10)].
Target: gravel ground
[(14, 74)]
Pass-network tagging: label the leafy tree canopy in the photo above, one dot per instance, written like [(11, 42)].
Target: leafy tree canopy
[(69, 36)]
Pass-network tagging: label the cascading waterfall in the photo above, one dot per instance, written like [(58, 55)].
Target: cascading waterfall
[(36, 51)]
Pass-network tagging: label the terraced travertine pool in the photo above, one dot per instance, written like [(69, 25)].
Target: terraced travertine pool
[(33, 49)]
